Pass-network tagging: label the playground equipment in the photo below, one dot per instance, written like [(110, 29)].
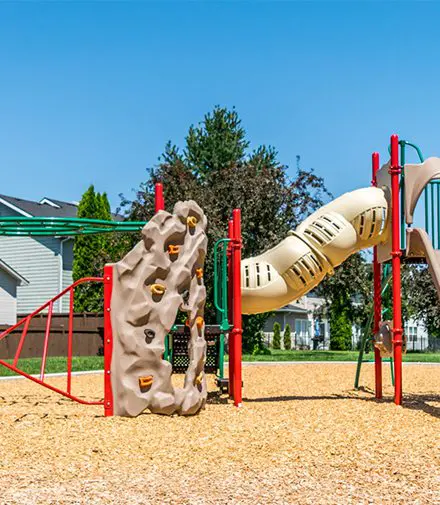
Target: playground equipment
[(164, 273), (142, 294), (366, 217)]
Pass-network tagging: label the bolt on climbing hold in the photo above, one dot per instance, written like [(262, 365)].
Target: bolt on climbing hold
[(199, 273), (157, 289), (199, 322), (191, 221), (173, 249), (145, 382), (198, 380)]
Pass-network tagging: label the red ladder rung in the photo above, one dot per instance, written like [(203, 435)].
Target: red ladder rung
[(69, 342), (46, 340), (22, 339)]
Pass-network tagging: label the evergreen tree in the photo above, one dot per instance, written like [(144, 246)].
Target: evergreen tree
[(276, 340), (340, 328), (89, 252), (287, 340)]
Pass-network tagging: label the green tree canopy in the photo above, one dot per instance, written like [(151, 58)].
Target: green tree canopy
[(89, 252), (420, 300), (348, 298), (218, 171)]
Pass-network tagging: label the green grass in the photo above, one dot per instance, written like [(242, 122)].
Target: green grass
[(279, 355), (82, 363), (56, 365)]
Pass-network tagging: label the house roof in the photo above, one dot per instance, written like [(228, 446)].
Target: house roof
[(294, 309), (46, 207), (13, 273), (29, 208)]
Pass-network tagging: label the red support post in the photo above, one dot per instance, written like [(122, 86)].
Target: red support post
[(231, 308), (396, 253), (377, 274), (159, 202), (46, 340), (108, 340), (237, 329), (70, 342)]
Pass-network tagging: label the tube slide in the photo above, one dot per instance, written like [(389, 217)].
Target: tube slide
[(354, 221)]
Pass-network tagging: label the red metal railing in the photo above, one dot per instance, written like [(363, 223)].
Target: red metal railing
[(25, 322), (235, 336), (395, 171)]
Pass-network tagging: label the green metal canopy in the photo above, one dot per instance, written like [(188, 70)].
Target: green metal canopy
[(63, 227)]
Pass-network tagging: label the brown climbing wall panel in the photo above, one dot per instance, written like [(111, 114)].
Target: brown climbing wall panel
[(150, 284)]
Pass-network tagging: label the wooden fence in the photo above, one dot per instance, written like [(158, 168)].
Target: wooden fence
[(88, 333)]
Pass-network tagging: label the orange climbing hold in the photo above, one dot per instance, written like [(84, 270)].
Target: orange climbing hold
[(199, 273), (145, 382), (157, 289), (199, 322), (173, 249), (191, 221)]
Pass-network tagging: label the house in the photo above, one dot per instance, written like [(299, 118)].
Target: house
[(417, 337), (309, 329), (41, 267), (10, 280)]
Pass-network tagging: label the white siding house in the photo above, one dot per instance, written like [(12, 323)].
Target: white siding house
[(309, 330), (44, 262), (10, 280)]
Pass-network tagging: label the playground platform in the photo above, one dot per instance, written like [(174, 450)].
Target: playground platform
[(302, 436)]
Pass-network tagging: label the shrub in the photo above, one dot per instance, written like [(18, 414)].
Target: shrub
[(287, 338), (259, 348), (276, 342), (340, 330)]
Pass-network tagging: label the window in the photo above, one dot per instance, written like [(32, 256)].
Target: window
[(302, 332), (411, 331)]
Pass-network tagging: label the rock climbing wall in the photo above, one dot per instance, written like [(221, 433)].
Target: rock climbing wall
[(161, 275)]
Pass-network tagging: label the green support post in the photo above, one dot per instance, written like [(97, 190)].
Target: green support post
[(221, 292)]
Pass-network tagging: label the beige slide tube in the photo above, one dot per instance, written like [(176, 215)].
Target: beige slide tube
[(350, 223)]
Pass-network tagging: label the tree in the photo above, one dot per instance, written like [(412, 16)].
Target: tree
[(348, 299), (420, 295), (287, 338), (276, 340), (89, 252), (216, 170), (340, 328)]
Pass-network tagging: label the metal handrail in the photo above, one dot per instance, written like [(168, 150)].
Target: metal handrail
[(50, 226), (223, 310)]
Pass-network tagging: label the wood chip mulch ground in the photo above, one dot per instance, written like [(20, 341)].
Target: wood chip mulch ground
[(303, 436)]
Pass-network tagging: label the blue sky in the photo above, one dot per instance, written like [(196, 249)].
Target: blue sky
[(91, 92)]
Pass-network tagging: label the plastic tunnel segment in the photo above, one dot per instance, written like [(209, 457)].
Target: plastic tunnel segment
[(417, 177), (419, 246), (352, 222)]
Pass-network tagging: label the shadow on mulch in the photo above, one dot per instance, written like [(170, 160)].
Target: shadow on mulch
[(410, 401), (215, 398)]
